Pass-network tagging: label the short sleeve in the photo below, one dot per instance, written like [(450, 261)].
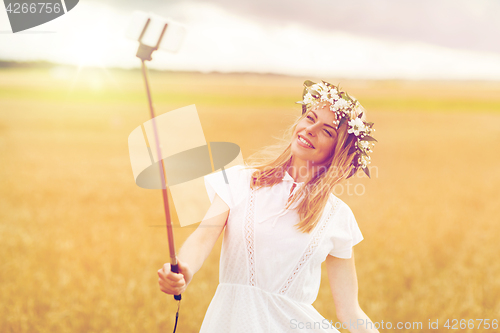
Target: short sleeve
[(346, 232), (224, 183)]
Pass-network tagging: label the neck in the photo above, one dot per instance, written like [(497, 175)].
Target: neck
[(302, 171)]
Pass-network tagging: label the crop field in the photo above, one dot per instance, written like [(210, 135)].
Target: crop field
[(80, 245)]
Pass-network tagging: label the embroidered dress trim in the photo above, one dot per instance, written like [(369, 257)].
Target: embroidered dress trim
[(249, 239), (309, 250)]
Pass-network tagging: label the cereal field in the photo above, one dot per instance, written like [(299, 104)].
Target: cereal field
[(79, 249)]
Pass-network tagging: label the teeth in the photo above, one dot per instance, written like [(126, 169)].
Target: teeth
[(304, 141)]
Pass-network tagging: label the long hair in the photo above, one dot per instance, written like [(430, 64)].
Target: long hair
[(273, 161)]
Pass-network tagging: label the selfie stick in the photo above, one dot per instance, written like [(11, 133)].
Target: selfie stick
[(144, 53)]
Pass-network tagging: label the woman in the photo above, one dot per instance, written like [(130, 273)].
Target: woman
[(281, 222)]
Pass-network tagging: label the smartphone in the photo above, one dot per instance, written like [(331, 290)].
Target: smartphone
[(172, 38)]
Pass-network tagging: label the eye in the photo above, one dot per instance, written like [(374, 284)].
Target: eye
[(309, 117), (328, 132)]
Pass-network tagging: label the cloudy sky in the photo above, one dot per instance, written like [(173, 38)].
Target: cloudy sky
[(438, 39)]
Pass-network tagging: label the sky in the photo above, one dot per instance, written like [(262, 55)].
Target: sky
[(367, 39)]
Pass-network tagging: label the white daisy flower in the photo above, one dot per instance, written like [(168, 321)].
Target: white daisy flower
[(334, 95), (364, 161), (341, 104), (324, 96), (317, 87), (356, 126), (363, 144), (323, 86), (308, 98)]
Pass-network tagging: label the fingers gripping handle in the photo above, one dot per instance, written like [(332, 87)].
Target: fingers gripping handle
[(175, 269)]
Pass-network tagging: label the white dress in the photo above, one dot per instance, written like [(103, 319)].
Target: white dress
[(270, 272)]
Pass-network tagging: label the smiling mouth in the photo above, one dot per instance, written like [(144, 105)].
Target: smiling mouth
[(305, 142)]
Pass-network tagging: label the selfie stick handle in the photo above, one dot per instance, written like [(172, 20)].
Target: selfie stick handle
[(144, 53)]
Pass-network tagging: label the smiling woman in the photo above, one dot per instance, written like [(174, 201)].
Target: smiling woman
[(315, 138), (281, 221)]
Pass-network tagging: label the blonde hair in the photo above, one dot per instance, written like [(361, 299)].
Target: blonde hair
[(316, 190)]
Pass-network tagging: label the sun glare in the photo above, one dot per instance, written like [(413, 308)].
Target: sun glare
[(89, 48), (92, 47)]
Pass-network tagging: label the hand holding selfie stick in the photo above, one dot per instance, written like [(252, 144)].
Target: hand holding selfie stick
[(153, 33)]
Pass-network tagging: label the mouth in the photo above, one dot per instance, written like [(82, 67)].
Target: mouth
[(304, 142)]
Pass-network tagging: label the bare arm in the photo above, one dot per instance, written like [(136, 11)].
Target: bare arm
[(200, 243), (344, 286), (195, 249)]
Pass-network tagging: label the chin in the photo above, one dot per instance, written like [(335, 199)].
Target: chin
[(300, 155), (297, 151)]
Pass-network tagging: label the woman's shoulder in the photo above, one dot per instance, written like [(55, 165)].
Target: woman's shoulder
[(340, 208), (243, 171), (239, 175), (230, 183), (344, 231)]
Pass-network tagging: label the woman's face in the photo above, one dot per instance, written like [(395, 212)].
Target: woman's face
[(318, 130)]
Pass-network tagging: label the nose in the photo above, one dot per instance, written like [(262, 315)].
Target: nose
[(312, 128)]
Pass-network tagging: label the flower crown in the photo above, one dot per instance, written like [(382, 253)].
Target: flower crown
[(344, 108)]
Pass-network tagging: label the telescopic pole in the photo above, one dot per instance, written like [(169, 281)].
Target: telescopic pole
[(174, 267), (144, 53)]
